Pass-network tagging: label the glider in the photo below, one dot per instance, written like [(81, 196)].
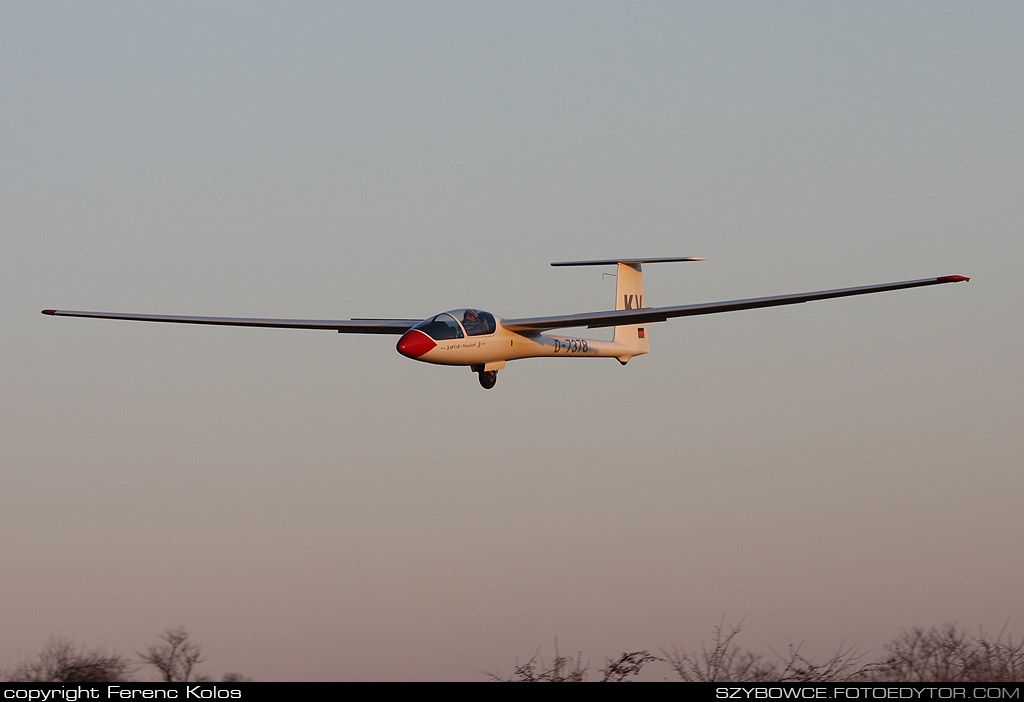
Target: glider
[(485, 342)]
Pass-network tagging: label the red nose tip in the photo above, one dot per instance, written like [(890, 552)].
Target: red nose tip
[(414, 344)]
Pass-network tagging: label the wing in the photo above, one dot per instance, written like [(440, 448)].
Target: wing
[(345, 326), (660, 314)]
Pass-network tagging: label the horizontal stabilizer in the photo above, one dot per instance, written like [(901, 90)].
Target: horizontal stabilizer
[(613, 261)]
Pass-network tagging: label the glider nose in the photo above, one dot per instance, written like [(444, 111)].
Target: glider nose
[(414, 344)]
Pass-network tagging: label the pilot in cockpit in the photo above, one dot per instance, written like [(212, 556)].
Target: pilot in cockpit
[(472, 322)]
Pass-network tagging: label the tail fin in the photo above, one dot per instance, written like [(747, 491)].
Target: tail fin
[(629, 295)]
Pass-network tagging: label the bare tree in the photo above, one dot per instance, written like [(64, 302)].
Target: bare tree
[(227, 677), (562, 669), (939, 654), (843, 666), (727, 661), (948, 654), (63, 661), (627, 665), (176, 657), (724, 661), (566, 669)]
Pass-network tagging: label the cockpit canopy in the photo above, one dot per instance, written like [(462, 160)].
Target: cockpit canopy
[(455, 324)]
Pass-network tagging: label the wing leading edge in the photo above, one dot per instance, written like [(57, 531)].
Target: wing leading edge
[(660, 314), (609, 318), (344, 326)]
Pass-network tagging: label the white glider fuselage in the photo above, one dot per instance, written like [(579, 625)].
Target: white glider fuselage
[(484, 342), (504, 344)]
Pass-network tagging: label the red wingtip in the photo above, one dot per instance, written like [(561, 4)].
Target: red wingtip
[(953, 279), (49, 311)]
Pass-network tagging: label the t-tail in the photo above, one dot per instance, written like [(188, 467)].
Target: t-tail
[(629, 295)]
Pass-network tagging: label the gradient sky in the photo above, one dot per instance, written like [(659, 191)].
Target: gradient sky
[(316, 507)]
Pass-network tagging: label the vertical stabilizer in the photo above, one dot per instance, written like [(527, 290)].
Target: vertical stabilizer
[(629, 295)]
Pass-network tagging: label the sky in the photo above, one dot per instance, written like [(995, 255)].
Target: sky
[(312, 506)]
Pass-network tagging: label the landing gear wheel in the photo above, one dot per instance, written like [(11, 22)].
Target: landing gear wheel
[(488, 379)]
